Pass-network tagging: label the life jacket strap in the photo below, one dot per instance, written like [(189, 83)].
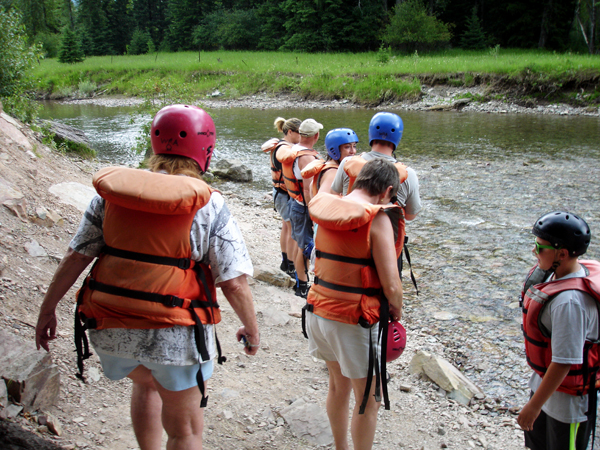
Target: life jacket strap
[(345, 259), (310, 308), (407, 254), (182, 263), (369, 292), (166, 300), (533, 341)]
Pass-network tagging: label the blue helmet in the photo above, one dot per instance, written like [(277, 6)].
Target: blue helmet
[(386, 126), (337, 137)]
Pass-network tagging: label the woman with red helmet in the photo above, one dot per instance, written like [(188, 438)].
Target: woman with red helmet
[(164, 240)]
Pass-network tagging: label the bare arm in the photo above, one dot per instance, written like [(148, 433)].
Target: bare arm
[(555, 374), (66, 275), (239, 296), (303, 161), (327, 180), (384, 254)]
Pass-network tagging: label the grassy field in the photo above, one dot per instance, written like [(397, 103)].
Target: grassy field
[(367, 78)]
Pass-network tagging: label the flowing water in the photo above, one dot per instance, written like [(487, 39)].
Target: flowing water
[(484, 179)]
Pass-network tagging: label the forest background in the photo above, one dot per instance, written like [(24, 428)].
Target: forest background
[(366, 51)]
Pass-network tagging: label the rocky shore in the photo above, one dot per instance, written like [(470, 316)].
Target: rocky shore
[(433, 98), (469, 248)]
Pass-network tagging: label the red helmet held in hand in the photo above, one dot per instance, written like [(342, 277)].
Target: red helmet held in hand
[(184, 130), (396, 341)]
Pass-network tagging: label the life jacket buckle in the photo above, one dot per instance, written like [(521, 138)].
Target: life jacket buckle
[(171, 301), (184, 263)]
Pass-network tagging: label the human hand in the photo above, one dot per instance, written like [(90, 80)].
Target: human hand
[(527, 417), (396, 310), (45, 330), (251, 341)]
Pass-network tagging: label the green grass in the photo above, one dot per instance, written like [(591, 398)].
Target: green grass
[(361, 77)]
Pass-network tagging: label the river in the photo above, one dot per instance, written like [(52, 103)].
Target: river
[(484, 179)]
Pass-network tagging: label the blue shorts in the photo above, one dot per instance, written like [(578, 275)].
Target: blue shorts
[(302, 226), (280, 200), (172, 378)]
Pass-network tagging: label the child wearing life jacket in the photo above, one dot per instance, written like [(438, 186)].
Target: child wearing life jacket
[(357, 289), (340, 143), (291, 136), (560, 301)]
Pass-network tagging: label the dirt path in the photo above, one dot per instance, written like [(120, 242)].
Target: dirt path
[(247, 394)]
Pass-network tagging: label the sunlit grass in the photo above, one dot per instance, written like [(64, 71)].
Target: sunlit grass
[(360, 77)]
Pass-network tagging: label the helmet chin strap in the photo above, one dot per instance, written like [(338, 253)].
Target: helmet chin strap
[(552, 269)]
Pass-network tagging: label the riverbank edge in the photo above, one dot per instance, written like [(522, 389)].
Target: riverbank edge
[(435, 98)]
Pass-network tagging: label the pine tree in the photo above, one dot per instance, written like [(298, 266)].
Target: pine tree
[(473, 38), (70, 51)]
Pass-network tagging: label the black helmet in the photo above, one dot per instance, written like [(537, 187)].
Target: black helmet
[(564, 230)]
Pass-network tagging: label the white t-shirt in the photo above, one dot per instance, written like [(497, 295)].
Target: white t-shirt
[(215, 239), (408, 193), (571, 317)]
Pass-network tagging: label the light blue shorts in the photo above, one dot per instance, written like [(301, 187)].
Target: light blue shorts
[(281, 200), (172, 378)]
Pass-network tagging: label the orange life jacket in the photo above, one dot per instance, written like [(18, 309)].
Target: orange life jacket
[(145, 277), (271, 147), (286, 156), (315, 170), (353, 166), (535, 296), (346, 286)]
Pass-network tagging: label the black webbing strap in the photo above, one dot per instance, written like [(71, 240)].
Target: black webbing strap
[(384, 318), (369, 292), (182, 263), (307, 307), (592, 406), (82, 346), (345, 259), (167, 300), (412, 276), (541, 344), (365, 399)]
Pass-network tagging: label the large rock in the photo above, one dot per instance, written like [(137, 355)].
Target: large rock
[(232, 169), (31, 378), (67, 133), (73, 193), (273, 276), (308, 421), (445, 375)]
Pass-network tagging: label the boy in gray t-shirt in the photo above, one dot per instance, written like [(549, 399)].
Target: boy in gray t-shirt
[(560, 319)]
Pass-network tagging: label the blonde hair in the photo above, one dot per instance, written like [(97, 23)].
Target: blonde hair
[(285, 126), (175, 165)]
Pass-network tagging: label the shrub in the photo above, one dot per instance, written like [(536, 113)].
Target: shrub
[(411, 28), (17, 59)]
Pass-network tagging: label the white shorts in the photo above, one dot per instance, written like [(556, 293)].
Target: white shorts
[(342, 342)]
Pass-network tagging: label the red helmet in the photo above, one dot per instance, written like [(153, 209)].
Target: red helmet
[(396, 341), (184, 130)]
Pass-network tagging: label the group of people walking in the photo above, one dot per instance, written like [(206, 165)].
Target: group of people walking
[(163, 241)]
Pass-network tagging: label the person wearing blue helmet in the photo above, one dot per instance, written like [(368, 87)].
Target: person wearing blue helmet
[(339, 143), (385, 133)]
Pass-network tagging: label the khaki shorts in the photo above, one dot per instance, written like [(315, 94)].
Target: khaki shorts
[(342, 342)]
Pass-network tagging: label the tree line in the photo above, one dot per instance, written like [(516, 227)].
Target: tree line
[(73, 29)]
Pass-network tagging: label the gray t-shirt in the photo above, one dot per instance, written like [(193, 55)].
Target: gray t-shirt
[(408, 194), (215, 239), (571, 317)]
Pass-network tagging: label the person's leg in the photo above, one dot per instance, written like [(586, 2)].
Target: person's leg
[(182, 418), (146, 406), (363, 425), (338, 401)]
